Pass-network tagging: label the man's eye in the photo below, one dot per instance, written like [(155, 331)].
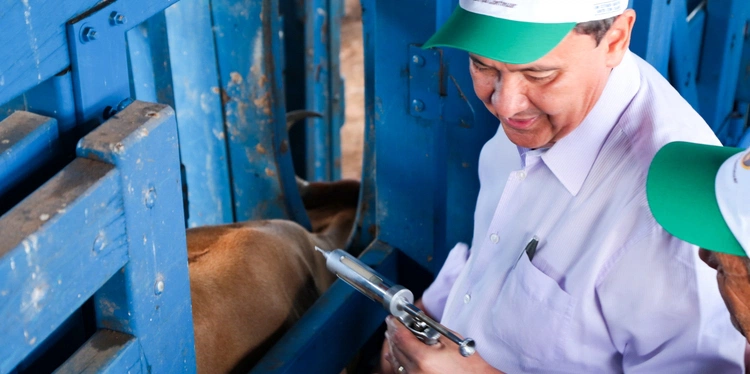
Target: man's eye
[(480, 67), (539, 78)]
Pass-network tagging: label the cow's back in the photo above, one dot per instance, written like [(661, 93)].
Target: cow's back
[(249, 283)]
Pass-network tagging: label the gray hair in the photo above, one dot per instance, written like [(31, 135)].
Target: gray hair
[(597, 29)]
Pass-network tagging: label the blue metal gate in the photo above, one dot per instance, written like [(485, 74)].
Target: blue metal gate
[(425, 129), (96, 188)]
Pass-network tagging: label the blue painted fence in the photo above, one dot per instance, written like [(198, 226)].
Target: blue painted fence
[(97, 183)]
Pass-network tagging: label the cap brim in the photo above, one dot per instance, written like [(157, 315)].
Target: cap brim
[(681, 191), (510, 42)]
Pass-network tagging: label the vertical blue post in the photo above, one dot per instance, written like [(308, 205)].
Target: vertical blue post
[(652, 33), (150, 297), (720, 63), (198, 106), (324, 88), (249, 54), (683, 64)]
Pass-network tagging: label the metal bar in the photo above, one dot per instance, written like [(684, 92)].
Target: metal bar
[(317, 73), (98, 57), (366, 227), (336, 84), (249, 54), (74, 222), (203, 147)]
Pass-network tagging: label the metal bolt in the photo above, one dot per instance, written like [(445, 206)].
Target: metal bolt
[(117, 19), (417, 60), (88, 34), (418, 105), (159, 287), (150, 197)]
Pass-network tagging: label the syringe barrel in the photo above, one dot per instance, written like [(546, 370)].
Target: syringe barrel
[(367, 281)]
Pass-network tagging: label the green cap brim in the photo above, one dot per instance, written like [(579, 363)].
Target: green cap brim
[(510, 42), (681, 191)]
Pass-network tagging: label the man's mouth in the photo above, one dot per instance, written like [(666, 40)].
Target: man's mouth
[(520, 123)]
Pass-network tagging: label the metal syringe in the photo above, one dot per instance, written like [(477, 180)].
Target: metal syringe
[(395, 299)]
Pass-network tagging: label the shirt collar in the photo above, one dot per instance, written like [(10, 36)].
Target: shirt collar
[(573, 156)]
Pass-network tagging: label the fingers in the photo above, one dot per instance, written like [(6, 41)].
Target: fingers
[(406, 349), (386, 367)]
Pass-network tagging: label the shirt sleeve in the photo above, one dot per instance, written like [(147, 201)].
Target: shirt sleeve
[(435, 297), (664, 312)]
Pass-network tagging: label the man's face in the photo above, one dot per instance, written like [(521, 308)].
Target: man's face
[(733, 277), (541, 102)]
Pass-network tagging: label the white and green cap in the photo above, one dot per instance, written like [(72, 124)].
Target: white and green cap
[(701, 194), (518, 31)]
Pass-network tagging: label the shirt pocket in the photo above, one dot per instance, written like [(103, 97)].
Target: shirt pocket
[(532, 315)]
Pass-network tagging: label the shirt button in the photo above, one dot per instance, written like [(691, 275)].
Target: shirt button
[(494, 238), (467, 298), (521, 175)]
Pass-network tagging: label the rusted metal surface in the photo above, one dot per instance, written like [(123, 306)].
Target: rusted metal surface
[(250, 55)]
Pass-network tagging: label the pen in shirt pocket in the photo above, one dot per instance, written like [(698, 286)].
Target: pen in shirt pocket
[(529, 250)]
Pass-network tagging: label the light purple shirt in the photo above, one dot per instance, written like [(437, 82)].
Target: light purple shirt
[(608, 289)]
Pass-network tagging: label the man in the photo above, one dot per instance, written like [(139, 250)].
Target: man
[(601, 287), (701, 194)]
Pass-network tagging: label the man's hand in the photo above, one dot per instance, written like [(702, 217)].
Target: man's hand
[(403, 353)]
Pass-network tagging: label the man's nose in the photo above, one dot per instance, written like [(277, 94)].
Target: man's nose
[(708, 257), (509, 97)]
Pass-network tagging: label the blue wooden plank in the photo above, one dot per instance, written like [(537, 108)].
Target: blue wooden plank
[(249, 54), (106, 352), (199, 113), (54, 98), (150, 298), (720, 63), (652, 32), (738, 124), (331, 332), (683, 61), (149, 63), (696, 25), (743, 81), (35, 32), (17, 103), (38, 38), (59, 246), (27, 141), (140, 64)]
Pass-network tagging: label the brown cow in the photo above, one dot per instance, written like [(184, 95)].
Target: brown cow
[(251, 281)]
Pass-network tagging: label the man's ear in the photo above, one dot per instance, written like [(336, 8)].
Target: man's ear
[(617, 39)]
